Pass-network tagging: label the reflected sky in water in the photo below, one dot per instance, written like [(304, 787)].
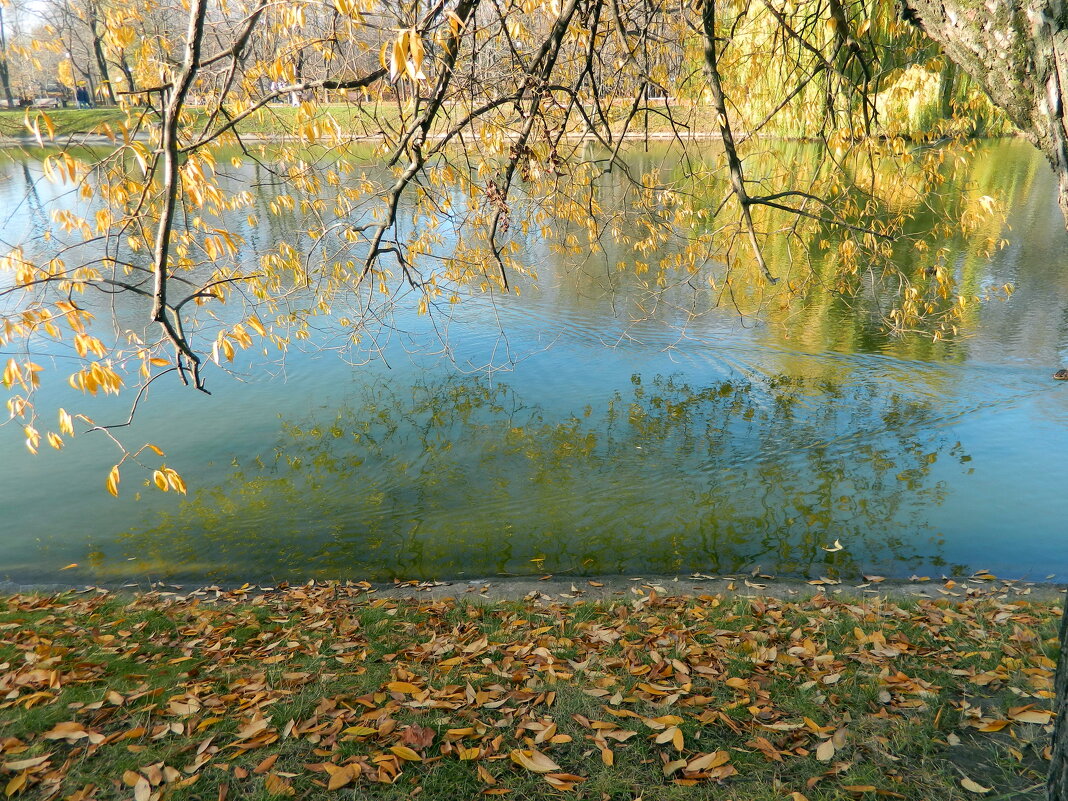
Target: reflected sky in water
[(614, 433)]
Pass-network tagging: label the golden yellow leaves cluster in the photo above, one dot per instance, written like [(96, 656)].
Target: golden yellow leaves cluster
[(404, 56)]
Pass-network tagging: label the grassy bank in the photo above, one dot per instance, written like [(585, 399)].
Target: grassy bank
[(281, 120), (660, 120), (67, 121), (330, 692)]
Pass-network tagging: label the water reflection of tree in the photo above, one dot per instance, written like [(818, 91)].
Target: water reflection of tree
[(461, 477), (821, 302)]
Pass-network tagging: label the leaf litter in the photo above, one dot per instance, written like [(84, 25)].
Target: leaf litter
[(308, 690)]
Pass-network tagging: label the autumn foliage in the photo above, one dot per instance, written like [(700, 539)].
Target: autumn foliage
[(315, 689)]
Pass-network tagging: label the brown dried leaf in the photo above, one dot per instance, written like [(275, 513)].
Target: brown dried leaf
[(340, 778), (534, 761), (276, 785), (974, 786), (265, 765), (708, 761)]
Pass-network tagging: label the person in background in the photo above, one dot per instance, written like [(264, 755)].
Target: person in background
[(81, 94)]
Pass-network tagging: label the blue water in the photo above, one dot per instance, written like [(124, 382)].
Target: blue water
[(579, 427)]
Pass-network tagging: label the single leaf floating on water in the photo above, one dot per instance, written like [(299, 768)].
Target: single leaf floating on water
[(833, 548), (534, 761), (974, 787), (70, 566)]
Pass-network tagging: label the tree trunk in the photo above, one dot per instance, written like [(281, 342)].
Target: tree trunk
[(5, 77), (1058, 770), (1018, 52), (98, 51)]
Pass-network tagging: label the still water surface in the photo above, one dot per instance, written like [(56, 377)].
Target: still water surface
[(600, 441)]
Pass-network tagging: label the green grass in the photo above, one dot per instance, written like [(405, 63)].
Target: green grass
[(67, 121), (169, 686), (368, 121)]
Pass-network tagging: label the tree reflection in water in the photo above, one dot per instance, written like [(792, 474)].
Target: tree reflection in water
[(461, 477)]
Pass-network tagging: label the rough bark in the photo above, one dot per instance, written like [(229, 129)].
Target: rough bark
[(1058, 770), (1017, 50)]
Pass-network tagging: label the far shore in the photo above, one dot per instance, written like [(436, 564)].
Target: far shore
[(81, 127)]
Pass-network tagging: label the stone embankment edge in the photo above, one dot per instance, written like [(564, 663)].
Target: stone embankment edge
[(580, 589)]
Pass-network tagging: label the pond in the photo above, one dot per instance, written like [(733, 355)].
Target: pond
[(584, 427)]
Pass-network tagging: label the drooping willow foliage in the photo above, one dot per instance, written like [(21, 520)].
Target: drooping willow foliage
[(417, 148)]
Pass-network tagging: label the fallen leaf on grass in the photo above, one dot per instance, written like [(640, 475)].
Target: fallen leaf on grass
[(973, 786), (359, 731), (708, 761), (72, 730), (403, 687), (251, 729), (534, 761), (339, 776), (1028, 714), (16, 784), (564, 781), (276, 785), (265, 765), (405, 753), (26, 764), (765, 747)]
